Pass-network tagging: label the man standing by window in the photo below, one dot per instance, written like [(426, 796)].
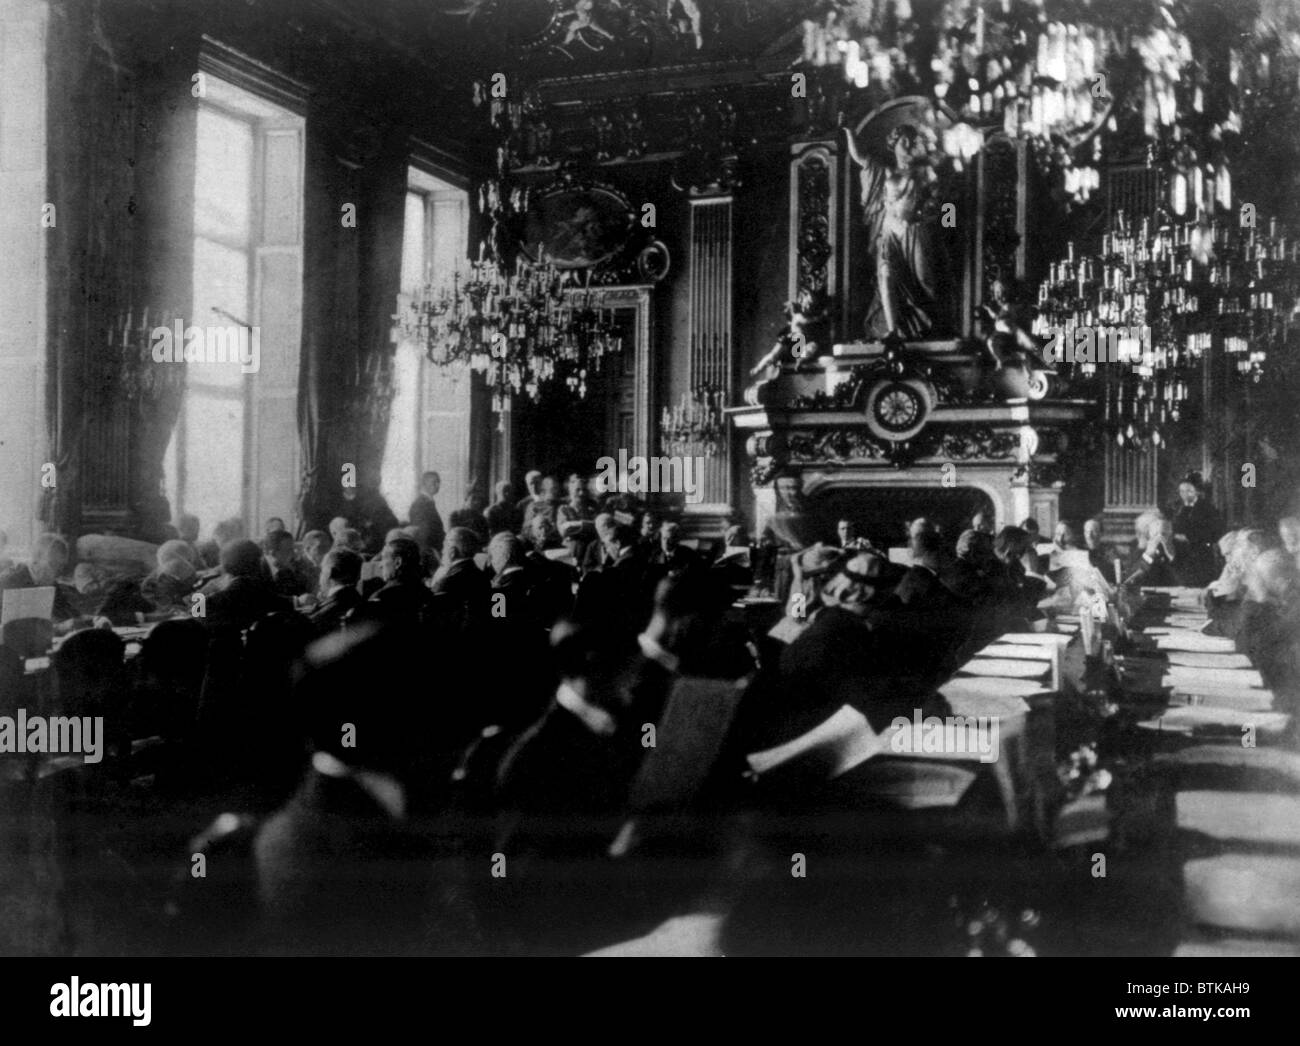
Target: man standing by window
[(424, 516)]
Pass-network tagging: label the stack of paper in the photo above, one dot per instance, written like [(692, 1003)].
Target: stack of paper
[(1258, 818), (1047, 639), (833, 747), (1247, 700), (1018, 652), (1254, 893), (981, 686), (1195, 642), (1234, 678), (1190, 659), (1204, 718), (1003, 706), (1005, 668)]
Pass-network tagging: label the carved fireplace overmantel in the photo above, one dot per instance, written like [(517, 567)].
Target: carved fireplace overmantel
[(938, 415)]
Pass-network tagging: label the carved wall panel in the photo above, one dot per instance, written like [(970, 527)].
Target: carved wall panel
[(814, 204)]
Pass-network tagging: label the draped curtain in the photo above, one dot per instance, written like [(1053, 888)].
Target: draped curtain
[(120, 171), (350, 286), (70, 83)]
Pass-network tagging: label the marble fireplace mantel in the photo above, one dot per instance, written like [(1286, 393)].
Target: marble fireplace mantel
[(945, 420)]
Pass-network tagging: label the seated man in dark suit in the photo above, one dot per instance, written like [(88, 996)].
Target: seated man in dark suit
[(367, 512), (49, 561), (552, 581), (516, 635), (170, 584), (968, 575), (1100, 555), (1225, 597), (547, 503), (687, 633), (1015, 584), (459, 586), (504, 514), (1270, 626), (597, 554), (1154, 561), (532, 484), (671, 556), (929, 624), (340, 572), (510, 574), (346, 866), (648, 532), (921, 584), (573, 767), (287, 577), (404, 597), (245, 591), (618, 593), (471, 516), (840, 658)]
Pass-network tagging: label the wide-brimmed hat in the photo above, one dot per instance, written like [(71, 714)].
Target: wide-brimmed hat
[(819, 560), (871, 569)]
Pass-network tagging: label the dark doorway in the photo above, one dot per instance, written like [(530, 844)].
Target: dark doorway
[(881, 514), (562, 433)]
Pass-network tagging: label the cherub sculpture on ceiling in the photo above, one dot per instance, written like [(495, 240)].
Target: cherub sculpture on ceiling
[(583, 28)]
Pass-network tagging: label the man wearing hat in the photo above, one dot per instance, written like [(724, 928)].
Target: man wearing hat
[(838, 658), (811, 568)]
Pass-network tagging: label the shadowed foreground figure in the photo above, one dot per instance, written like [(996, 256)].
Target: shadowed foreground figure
[(352, 864), (564, 788)]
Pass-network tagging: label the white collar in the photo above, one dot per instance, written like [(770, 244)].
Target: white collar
[(384, 789), (652, 650), (597, 720)]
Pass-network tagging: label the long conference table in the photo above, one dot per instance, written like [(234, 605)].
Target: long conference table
[(1195, 724), (1217, 742)]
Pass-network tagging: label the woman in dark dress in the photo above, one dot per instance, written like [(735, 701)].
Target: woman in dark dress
[(1197, 529)]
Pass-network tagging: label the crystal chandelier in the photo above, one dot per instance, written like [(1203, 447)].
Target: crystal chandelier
[(521, 329), (523, 326), (1193, 287), (693, 428), (1057, 73)]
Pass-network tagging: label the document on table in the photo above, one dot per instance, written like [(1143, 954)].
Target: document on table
[(1005, 668), (841, 742), (1243, 700), (1186, 718), (987, 686), (1195, 642), (1259, 818), (1045, 639), (1004, 706), (1018, 652), (1181, 675), (1189, 659)]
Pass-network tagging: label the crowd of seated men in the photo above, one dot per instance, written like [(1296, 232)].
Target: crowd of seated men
[(425, 750)]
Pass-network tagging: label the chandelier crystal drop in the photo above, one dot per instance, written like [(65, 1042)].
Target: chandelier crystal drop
[(523, 329), (1188, 290)]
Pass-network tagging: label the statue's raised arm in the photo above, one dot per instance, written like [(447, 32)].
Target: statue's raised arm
[(873, 177)]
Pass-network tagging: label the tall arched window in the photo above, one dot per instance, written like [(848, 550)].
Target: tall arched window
[(428, 428), (234, 451)]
